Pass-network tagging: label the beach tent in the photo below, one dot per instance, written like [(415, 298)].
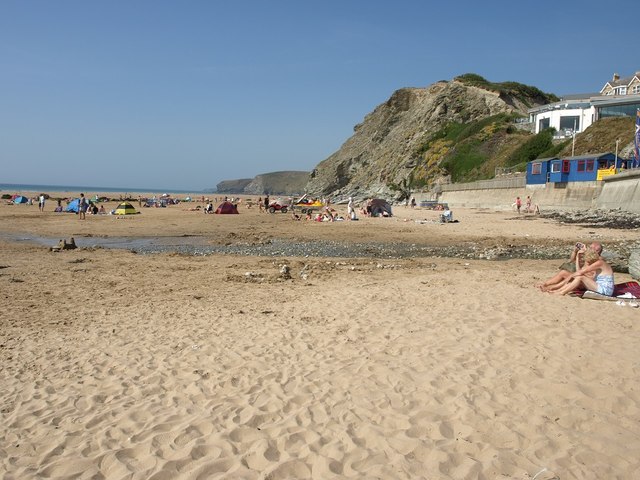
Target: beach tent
[(380, 207), (227, 207), (73, 206), (20, 199), (125, 208)]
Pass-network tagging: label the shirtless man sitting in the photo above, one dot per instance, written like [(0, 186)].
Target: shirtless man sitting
[(596, 275), (576, 261)]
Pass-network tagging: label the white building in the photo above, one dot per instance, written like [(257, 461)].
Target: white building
[(576, 113), (573, 113)]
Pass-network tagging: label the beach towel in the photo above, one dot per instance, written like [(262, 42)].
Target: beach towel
[(627, 290)]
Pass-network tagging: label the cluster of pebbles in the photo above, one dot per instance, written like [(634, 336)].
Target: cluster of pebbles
[(618, 219), (617, 253)]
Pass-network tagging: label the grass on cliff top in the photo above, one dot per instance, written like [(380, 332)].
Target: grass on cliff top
[(519, 90)]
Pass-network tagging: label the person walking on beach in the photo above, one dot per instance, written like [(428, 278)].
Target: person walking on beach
[(41, 202), (82, 207), (351, 212), (518, 204)]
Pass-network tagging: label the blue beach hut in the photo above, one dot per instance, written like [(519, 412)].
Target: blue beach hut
[(537, 171), (583, 168)]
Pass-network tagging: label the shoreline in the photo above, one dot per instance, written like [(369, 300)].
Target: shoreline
[(21, 189)]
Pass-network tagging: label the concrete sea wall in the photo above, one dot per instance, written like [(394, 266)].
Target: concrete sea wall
[(621, 191)]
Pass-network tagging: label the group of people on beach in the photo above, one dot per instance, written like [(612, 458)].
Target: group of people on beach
[(85, 205), (528, 208), (585, 270)]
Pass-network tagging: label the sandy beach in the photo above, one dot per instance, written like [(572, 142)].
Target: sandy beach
[(121, 365)]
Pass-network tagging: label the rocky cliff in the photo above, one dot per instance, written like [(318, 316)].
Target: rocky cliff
[(232, 186), (395, 141), (274, 183)]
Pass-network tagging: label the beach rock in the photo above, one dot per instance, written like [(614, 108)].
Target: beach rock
[(285, 272), (634, 263), (64, 245), (618, 219)]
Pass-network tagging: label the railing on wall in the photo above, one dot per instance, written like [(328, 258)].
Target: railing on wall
[(511, 182)]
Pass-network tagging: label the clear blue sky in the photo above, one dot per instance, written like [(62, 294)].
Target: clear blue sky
[(184, 94)]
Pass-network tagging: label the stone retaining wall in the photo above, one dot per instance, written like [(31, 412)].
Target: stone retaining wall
[(621, 191), (570, 197)]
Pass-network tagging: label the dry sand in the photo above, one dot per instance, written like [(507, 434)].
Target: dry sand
[(118, 365)]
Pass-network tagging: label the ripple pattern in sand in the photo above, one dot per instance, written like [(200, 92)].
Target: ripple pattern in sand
[(296, 384)]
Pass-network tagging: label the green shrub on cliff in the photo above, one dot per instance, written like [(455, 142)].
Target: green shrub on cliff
[(533, 148), (466, 158), (466, 144), (515, 89), (457, 132)]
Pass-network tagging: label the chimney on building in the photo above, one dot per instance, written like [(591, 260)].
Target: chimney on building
[(616, 77)]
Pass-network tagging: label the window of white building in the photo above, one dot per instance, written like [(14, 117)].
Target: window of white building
[(571, 122)]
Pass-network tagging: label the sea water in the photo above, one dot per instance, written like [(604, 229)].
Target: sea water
[(17, 188)]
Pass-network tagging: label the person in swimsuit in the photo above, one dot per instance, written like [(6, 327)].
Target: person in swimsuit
[(605, 284), (602, 282), (576, 261)]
